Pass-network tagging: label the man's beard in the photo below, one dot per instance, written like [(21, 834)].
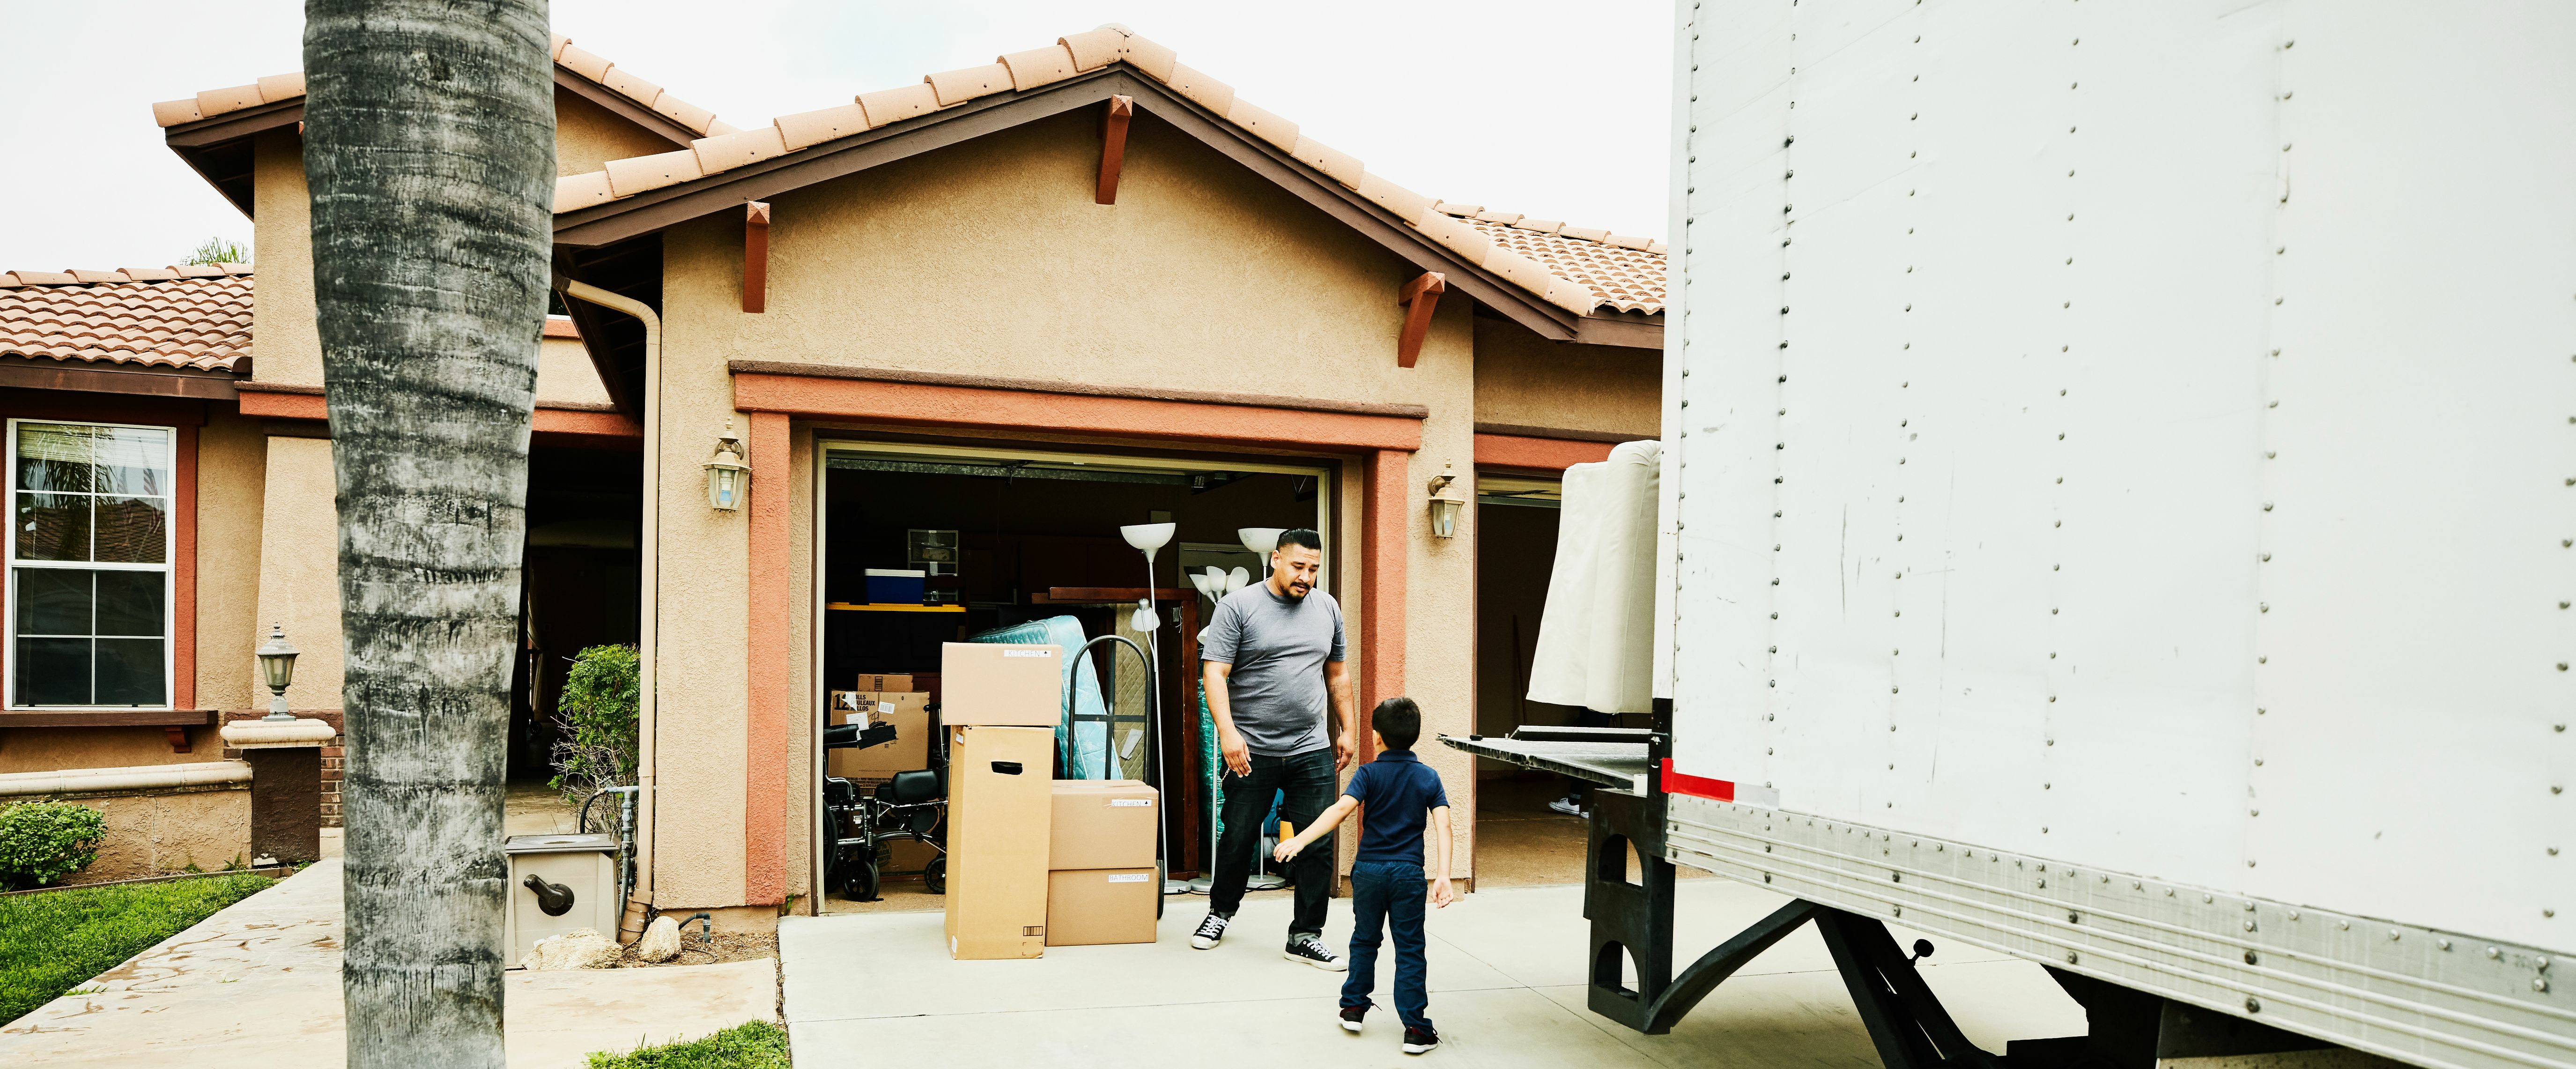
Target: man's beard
[(1298, 590)]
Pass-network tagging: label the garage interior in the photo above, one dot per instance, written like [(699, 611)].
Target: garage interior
[(580, 588), (1519, 840), (1035, 535)]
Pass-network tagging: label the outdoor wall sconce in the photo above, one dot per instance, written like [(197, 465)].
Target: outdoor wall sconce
[(277, 669), (728, 478), (1445, 503)]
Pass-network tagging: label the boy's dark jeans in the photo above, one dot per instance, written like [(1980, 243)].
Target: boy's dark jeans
[(1389, 895), (1308, 780)]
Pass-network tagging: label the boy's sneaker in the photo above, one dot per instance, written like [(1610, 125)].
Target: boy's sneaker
[(1210, 931), (1351, 1018), (1566, 806), (1418, 1041), (1312, 951)]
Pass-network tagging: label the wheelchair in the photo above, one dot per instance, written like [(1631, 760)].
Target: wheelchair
[(912, 805)]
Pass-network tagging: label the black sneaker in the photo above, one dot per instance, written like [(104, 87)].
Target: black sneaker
[(1351, 1018), (1417, 1041), (1210, 931), (1312, 951)]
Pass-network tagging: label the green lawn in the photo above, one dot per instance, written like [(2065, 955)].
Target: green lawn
[(53, 942), (753, 1045)]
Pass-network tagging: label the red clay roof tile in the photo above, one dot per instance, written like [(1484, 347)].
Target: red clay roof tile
[(202, 323)]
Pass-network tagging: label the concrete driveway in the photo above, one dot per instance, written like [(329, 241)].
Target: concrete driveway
[(257, 985), (1507, 989)]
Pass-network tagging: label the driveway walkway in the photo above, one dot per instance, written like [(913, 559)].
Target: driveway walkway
[(258, 985), (1507, 976)]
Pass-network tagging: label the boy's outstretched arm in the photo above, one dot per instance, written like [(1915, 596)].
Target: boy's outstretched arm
[(1322, 825), (1441, 893)]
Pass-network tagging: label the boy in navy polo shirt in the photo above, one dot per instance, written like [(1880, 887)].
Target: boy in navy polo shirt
[(1387, 882)]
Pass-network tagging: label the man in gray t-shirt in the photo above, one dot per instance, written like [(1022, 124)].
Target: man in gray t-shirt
[(1274, 666)]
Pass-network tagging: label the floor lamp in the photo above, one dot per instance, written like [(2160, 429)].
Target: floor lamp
[(1151, 538)]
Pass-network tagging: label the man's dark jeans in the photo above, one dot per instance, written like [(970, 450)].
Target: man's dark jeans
[(1387, 896), (1308, 780)]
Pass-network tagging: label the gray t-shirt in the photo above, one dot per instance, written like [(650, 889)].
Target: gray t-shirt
[(1278, 646)]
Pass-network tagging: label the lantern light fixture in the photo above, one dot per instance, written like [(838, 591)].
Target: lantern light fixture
[(728, 478), (1445, 502), (277, 670)]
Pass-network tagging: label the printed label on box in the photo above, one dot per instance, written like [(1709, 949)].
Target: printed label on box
[(886, 708), (1129, 877), (1028, 653), (1130, 802)]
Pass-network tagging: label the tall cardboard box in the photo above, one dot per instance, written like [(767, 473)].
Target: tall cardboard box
[(1001, 685), (910, 750), (998, 818), (1103, 824), (1086, 907)]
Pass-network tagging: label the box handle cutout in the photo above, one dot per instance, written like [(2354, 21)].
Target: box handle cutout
[(1007, 768)]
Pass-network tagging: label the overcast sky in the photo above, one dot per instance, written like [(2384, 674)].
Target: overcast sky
[(1554, 109)]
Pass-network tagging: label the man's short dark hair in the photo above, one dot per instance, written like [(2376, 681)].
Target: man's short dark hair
[(1398, 721), (1300, 536)]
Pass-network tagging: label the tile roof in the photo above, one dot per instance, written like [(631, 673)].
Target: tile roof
[(1576, 268), (277, 87), (195, 316)]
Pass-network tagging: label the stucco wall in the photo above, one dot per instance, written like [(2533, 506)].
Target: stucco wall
[(299, 569), (565, 375), (153, 834), (1524, 380), (587, 136), (290, 346), (990, 258), (232, 489)]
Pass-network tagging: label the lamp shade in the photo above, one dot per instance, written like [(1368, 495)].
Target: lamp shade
[(1260, 540), (277, 659), (1148, 536)]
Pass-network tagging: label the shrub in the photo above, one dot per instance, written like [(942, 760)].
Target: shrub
[(596, 722), (42, 842)]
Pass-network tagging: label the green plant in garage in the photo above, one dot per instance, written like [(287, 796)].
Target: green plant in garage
[(596, 722), (42, 842)]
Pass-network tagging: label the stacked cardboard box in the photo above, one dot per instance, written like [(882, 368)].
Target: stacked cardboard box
[(1102, 886), (1000, 709), (882, 699)]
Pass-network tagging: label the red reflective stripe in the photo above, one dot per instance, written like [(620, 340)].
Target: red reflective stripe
[(1701, 786)]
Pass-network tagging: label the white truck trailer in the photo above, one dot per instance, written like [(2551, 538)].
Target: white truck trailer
[(2115, 504)]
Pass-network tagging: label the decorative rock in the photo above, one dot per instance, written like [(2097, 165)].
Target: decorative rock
[(579, 949), (661, 941)]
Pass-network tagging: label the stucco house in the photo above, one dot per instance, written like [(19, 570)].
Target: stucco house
[(1002, 310)]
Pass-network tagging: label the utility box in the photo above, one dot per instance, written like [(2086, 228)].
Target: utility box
[(576, 888)]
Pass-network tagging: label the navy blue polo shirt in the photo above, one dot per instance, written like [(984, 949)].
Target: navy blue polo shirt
[(1399, 792)]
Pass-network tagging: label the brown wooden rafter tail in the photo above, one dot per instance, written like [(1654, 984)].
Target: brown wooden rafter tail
[(178, 737), (1418, 298), (755, 256), (1113, 145)]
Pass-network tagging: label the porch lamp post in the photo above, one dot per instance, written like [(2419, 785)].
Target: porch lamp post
[(1445, 502), (277, 669), (728, 478)]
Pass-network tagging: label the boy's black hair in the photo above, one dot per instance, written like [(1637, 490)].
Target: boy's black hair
[(1398, 721), (1300, 536)]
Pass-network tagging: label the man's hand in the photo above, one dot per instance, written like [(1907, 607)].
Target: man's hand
[(1237, 756), (1341, 752), (1441, 893)]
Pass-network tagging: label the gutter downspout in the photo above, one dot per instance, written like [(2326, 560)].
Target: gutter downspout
[(649, 561)]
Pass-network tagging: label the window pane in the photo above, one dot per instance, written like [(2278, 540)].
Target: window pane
[(129, 672), (132, 530), (53, 456), (54, 601), (132, 460), (53, 671), (53, 526), (129, 603)]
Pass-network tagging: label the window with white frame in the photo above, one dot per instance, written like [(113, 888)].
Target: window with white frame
[(89, 565)]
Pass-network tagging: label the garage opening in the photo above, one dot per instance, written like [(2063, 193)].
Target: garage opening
[(923, 545), (580, 587), (1519, 839)]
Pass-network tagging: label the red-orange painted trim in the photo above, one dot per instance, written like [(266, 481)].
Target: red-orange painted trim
[(755, 256), (569, 422), (1536, 454), (1386, 520), (1113, 147), (772, 693), (1024, 410), (268, 405), (1418, 297)]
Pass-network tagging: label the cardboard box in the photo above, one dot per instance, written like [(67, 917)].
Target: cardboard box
[(910, 750), (1103, 824), (901, 857), (872, 683), (1001, 685), (998, 812), (1087, 907)]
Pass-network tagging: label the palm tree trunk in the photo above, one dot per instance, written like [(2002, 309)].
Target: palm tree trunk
[(429, 148)]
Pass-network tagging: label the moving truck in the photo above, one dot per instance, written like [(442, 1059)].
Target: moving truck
[(2114, 507)]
